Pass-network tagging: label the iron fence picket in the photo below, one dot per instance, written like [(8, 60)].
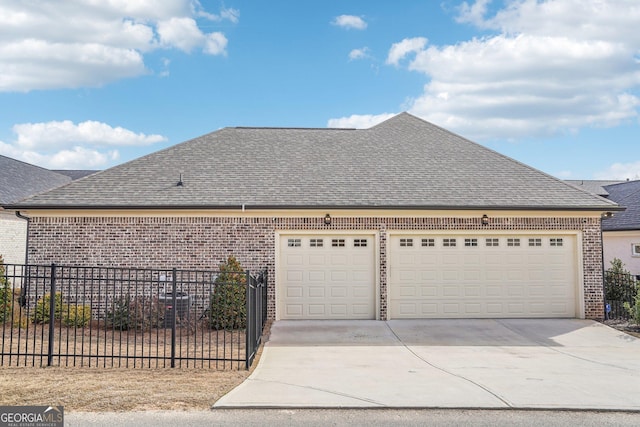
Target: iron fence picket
[(131, 322), (619, 288)]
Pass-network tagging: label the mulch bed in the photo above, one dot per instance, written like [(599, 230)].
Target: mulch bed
[(624, 326)]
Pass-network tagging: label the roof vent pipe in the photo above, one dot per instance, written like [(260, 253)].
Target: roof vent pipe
[(179, 184)]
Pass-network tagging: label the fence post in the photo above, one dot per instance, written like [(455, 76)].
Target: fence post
[(248, 345), (52, 312), (173, 323)]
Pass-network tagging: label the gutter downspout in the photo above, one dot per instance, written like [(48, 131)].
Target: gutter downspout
[(23, 290)]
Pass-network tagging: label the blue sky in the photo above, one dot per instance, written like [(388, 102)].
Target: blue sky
[(555, 84)]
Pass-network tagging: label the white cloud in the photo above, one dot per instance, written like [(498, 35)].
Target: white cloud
[(350, 21), (359, 121), (230, 14), (621, 171), (550, 67), (66, 133), (182, 33), (473, 13), (407, 46), (46, 44), (66, 145), (359, 53), (215, 44)]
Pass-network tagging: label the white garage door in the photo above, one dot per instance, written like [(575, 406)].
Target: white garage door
[(455, 276), (326, 277)]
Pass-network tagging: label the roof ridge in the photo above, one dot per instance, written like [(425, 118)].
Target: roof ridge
[(287, 128)]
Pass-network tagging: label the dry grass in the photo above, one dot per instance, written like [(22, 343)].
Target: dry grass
[(119, 389), (99, 389)]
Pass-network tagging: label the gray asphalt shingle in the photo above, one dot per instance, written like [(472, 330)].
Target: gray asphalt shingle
[(19, 180), (626, 194), (404, 162)]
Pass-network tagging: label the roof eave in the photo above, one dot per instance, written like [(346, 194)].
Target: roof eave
[(316, 207)]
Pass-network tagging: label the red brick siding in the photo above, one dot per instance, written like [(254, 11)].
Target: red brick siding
[(205, 242)]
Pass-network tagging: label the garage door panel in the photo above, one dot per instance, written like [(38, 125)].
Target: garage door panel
[(294, 260), (408, 291), (338, 276), (295, 275), (317, 276), (326, 277), (316, 309), (316, 260), (294, 309), (294, 292), (472, 308), (316, 292), (483, 276)]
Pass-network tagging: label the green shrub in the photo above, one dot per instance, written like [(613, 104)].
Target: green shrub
[(76, 315), (634, 310), (6, 295), (619, 283), (228, 306), (139, 313), (42, 310)]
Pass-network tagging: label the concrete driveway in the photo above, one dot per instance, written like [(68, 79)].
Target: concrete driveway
[(486, 363)]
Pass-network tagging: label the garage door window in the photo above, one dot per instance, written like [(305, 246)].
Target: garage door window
[(337, 243), (448, 243), (316, 243), (535, 242), (406, 243), (359, 243), (555, 242), (492, 242), (513, 242), (294, 243), (471, 242), (430, 243)]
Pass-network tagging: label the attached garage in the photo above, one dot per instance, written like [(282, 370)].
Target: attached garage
[(401, 220), (483, 275), (327, 277)]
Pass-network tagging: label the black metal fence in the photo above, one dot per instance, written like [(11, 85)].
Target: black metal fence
[(124, 317), (619, 288)]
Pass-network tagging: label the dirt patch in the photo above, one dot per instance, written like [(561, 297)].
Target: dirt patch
[(119, 389)]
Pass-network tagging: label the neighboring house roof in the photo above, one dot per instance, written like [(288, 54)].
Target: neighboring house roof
[(19, 180), (626, 194), (75, 174), (593, 186), (404, 162)]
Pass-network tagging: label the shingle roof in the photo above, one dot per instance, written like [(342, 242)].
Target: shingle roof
[(625, 194), (19, 180), (74, 173), (593, 186), (404, 162)]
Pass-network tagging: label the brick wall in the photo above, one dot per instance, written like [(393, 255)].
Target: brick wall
[(205, 242), (13, 238)]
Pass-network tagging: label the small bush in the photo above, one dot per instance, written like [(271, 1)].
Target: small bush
[(619, 284), (228, 307), (138, 313), (6, 296), (42, 309), (634, 310), (76, 315)]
